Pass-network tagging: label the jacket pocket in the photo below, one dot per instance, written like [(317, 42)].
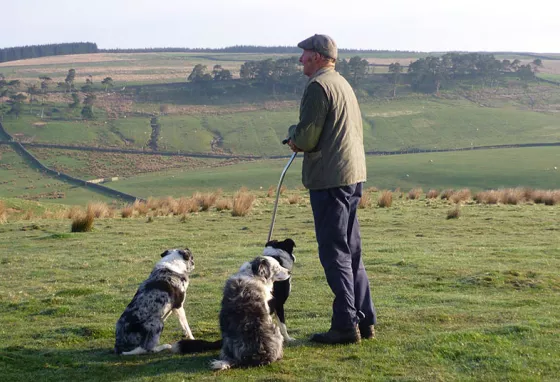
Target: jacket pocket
[(313, 173)]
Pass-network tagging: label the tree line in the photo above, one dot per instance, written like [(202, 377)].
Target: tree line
[(33, 51), (427, 74)]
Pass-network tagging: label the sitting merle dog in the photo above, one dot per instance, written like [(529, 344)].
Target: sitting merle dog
[(139, 328), (283, 252)]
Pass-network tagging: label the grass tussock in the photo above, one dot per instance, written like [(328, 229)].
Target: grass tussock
[(372, 189), (83, 223), (454, 213), (462, 195), (432, 194), (271, 191), (206, 201), (140, 207), (224, 204), (3, 212), (127, 211), (414, 194), (365, 201), (294, 199), (98, 209), (186, 206), (242, 202), (446, 194), (385, 199), (74, 212)]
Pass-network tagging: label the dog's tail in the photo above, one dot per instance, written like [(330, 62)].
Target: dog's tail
[(195, 346), (220, 364)]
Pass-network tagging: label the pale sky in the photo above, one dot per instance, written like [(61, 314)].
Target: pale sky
[(416, 25)]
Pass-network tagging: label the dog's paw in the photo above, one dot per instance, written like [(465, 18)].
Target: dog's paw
[(188, 336)]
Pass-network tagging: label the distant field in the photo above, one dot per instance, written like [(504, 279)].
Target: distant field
[(414, 122), (140, 68), (477, 170), (17, 180)]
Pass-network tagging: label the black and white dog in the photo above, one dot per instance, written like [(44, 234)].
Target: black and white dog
[(140, 326), (283, 252), (250, 336)]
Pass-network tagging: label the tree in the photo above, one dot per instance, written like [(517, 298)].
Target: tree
[(248, 70), (108, 82), (358, 68), (536, 64), (75, 100), (70, 79), (395, 69), (45, 82), (154, 137), (87, 110), (525, 73), (16, 103), (198, 73)]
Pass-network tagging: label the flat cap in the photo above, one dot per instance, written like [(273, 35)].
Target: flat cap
[(320, 43)]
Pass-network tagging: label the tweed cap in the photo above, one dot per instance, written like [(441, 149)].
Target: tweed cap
[(321, 44)]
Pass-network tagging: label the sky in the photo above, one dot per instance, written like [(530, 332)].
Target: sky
[(413, 25)]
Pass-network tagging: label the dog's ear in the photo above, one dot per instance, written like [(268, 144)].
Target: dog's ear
[(165, 253), (289, 246), (271, 243), (261, 267), (186, 253)]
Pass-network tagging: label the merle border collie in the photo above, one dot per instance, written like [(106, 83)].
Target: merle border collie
[(140, 326), (250, 336)]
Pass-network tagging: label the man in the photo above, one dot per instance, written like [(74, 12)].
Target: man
[(330, 135)]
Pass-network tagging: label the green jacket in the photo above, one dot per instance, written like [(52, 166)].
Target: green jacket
[(330, 133)]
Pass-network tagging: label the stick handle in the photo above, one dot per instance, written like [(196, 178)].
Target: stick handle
[(278, 196)]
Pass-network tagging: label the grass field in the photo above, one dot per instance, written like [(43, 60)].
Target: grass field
[(415, 122), (145, 176), (478, 170), (467, 299)]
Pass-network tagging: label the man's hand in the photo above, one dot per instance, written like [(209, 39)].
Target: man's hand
[(294, 148)]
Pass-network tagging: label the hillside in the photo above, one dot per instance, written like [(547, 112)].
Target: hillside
[(242, 118)]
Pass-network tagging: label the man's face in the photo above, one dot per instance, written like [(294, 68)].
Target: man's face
[(310, 61)]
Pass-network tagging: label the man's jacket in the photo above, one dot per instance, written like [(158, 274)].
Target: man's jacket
[(330, 133)]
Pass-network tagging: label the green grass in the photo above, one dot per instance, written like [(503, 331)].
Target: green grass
[(469, 299), (475, 169), (18, 180), (412, 122)]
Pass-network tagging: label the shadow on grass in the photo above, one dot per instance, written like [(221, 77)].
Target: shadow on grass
[(26, 364)]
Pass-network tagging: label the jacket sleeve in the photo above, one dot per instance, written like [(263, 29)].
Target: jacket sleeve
[(313, 113)]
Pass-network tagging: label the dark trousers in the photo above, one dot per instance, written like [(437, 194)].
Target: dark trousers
[(340, 252)]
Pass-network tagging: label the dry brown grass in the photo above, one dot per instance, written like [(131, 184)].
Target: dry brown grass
[(127, 211), (294, 199), (385, 199), (224, 204), (446, 194), (28, 215), (432, 194), (83, 223), (242, 202), (454, 213), (546, 197), (365, 200), (73, 212), (372, 189), (206, 201), (140, 207), (271, 191), (186, 205), (98, 209), (462, 195), (3, 212), (414, 194)]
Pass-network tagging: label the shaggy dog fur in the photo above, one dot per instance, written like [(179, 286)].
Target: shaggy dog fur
[(249, 334), (283, 252), (139, 328)]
